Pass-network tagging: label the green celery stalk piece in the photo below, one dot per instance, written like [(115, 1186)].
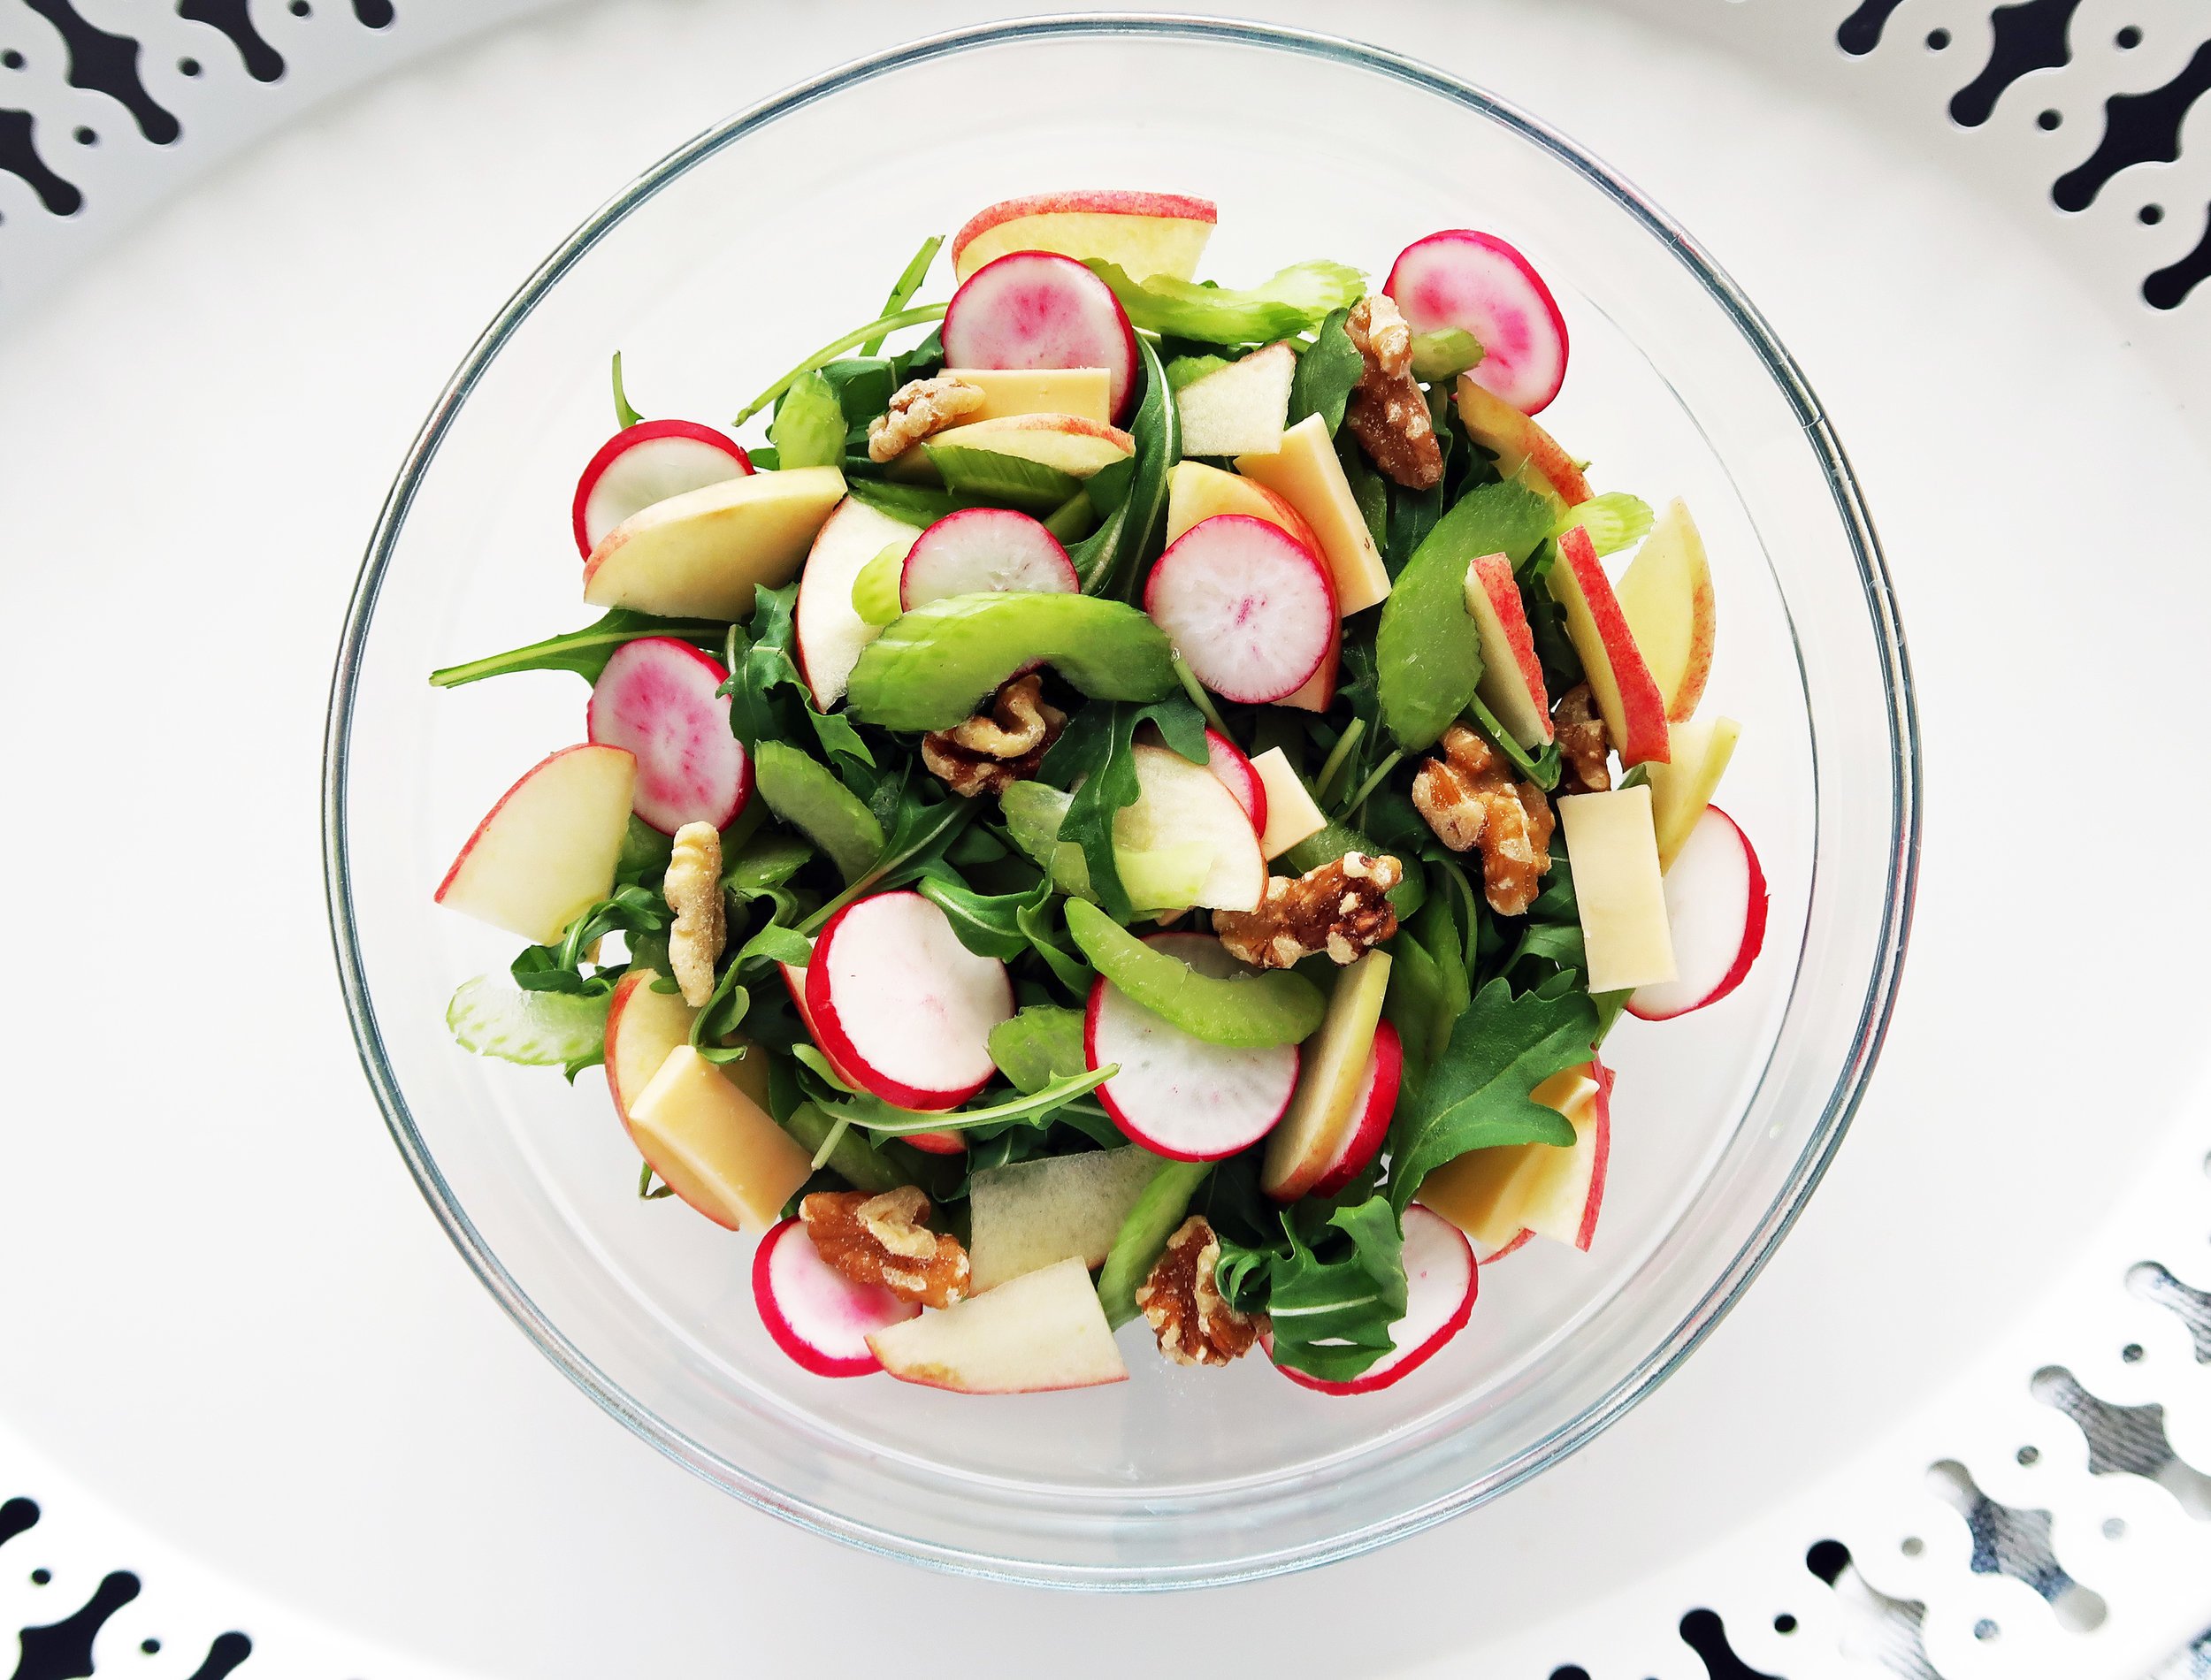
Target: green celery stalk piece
[(804, 795), (1144, 1234), (1246, 1012), (930, 668), (854, 1159), (536, 1029)]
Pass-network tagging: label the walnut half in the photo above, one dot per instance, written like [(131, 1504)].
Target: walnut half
[(1579, 729), (1469, 799), (1388, 412), (692, 888), (1341, 907), (882, 1239), (1182, 1301), (1000, 745), (921, 408)]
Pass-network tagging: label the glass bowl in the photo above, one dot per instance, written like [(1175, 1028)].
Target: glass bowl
[(769, 235)]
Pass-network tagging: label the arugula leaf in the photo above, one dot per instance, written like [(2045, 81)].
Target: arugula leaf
[(1111, 559), (989, 476), (1542, 769), (1477, 1094), (1326, 373), (874, 332), (764, 674), (559, 968), (624, 415), (1036, 1045), (1295, 300), (1093, 756), (912, 504), (586, 652), (765, 861), (644, 854), (909, 281), (1334, 1282), (884, 1119), (918, 837), (987, 925), (1370, 491), (1034, 919), (808, 430)]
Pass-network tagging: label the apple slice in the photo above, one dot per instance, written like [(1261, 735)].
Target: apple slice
[(1634, 709), (1512, 684), (1683, 786), (826, 625), (1032, 308), (1666, 598), (1035, 1213), (656, 700), (817, 1314), (1085, 392), (1480, 284), (1067, 443), (1226, 759), (1250, 609), (1376, 1101), (1239, 410), (1440, 1284), (1303, 471), (1501, 1196), (980, 550), (1328, 1107), (1524, 450), (1196, 492), (700, 555), (1033, 1333), (928, 1142), (1715, 903), (902, 1004), (1176, 1094), (714, 1145), (643, 1026), (644, 463), (1143, 233), (1318, 693), (548, 848), (1183, 810), (1292, 814), (1625, 936)]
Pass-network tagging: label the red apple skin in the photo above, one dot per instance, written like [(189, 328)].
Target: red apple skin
[(1235, 769), (1754, 935), (1366, 1141), (1602, 1156), (1494, 572), (778, 1325), (1513, 1246), (624, 989), (927, 1142), (1170, 206), (1643, 706), (1419, 1356), (837, 1044), (627, 438), (476, 833)]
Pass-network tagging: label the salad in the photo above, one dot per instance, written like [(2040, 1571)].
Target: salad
[(1141, 802)]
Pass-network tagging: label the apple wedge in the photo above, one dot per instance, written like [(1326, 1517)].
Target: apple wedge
[(826, 625), (1523, 448), (1239, 410), (1627, 696), (548, 848), (1183, 810), (1085, 392), (1512, 684), (714, 1145), (1493, 1196), (1067, 443), (1666, 597), (1292, 814), (702, 554), (643, 1026), (1684, 785), (1039, 1331), (1331, 1083), (1143, 233), (1625, 936), (1196, 492), (1303, 471), (1377, 1101), (1035, 1213)]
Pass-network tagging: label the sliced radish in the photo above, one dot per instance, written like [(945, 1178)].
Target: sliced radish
[(1441, 1283), (1175, 1094), (1249, 607), (928, 1142), (985, 551), (648, 462), (1226, 761), (902, 1005), (1376, 1101), (1715, 905), (1034, 309), (1481, 284), (656, 700), (817, 1314)]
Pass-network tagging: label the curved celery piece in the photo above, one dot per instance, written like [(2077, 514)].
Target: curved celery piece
[(1144, 1234), (1248, 1012), (1159, 878), (931, 669), (852, 1157), (804, 795)]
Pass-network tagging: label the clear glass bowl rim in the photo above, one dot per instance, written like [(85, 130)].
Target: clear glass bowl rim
[(1821, 1142)]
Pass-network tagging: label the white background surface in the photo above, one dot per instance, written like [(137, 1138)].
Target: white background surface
[(230, 1312)]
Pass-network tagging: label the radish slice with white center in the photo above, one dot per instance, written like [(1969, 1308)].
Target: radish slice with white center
[(817, 1314), (1034, 309), (648, 462), (656, 700), (1715, 905), (1176, 1094), (1479, 283), (1250, 609), (1441, 1283), (927, 1142), (1227, 761), (979, 551), (1376, 1101), (901, 1005)]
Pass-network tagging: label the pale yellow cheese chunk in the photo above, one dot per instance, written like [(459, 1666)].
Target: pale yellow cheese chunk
[(1008, 390), (1306, 474), (1292, 815), (1621, 890), (715, 1145)]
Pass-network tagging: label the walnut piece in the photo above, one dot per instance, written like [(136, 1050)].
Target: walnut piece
[(921, 408), (1181, 1300), (1339, 908), (1000, 745), (694, 891), (1469, 799), (1388, 412), (884, 1240), (1581, 742)]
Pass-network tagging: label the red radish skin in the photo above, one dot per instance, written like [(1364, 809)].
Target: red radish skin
[(1034, 309), (927, 1142), (1377, 1102), (1176, 1094), (648, 462), (985, 551), (1479, 283), (898, 1002), (1172, 206), (1226, 759), (818, 1316), (1441, 1281), (1251, 610), (656, 701), (1715, 905)]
